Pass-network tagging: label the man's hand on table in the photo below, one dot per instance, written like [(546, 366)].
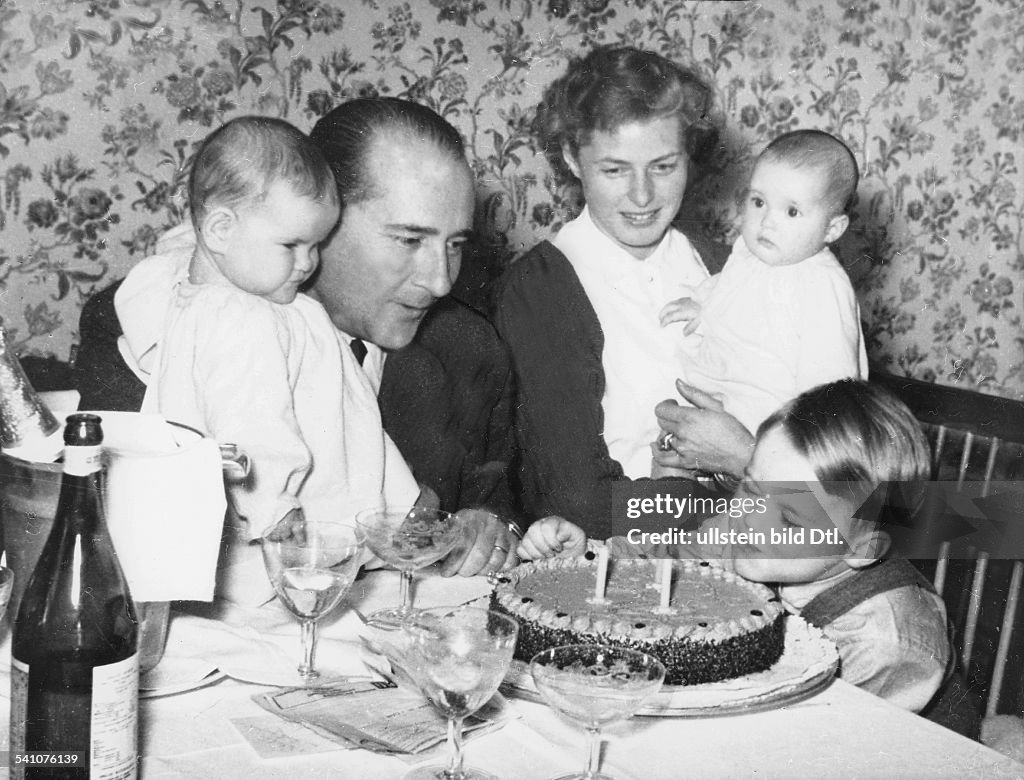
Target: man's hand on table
[(489, 545)]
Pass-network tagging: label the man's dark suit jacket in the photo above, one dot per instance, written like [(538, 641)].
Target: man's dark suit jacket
[(446, 399)]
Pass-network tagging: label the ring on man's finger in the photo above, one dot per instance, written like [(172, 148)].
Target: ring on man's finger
[(665, 441), (499, 547)]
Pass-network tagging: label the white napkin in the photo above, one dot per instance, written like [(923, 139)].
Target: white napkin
[(261, 646), (165, 506)]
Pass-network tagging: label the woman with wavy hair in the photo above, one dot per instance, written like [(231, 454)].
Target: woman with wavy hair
[(579, 312)]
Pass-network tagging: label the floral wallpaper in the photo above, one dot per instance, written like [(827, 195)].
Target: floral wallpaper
[(103, 101)]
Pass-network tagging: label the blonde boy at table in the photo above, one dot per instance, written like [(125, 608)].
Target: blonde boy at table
[(247, 359), (822, 455), (782, 316)]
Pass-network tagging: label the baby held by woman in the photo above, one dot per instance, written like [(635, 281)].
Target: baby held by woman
[(782, 315), (816, 462)]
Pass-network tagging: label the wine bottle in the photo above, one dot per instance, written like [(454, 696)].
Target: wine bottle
[(74, 653)]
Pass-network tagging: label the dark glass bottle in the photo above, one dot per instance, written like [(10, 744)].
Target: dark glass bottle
[(74, 654)]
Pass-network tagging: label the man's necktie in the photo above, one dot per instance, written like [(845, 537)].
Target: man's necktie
[(358, 349)]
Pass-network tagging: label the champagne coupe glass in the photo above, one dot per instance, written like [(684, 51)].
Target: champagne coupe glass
[(311, 567), (458, 656), (595, 685), (407, 538)]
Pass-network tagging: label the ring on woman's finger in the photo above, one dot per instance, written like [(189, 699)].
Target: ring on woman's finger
[(665, 441), (499, 547)]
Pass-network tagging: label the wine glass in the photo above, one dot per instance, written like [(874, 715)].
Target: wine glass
[(595, 685), (311, 568), (407, 538), (458, 656)]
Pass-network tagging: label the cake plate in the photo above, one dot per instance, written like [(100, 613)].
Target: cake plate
[(807, 665)]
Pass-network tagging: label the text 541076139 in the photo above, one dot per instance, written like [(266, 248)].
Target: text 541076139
[(41, 758)]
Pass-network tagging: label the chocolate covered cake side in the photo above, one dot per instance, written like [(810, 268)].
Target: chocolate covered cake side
[(717, 626)]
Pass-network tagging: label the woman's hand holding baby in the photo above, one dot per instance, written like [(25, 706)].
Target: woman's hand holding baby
[(550, 537), (705, 437)]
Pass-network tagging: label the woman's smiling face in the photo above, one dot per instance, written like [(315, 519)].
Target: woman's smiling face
[(633, 181)]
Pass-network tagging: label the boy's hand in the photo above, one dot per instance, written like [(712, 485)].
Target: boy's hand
[(681, 310), (550, 537)]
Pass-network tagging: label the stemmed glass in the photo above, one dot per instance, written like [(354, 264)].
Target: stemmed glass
[(407, 538), (595, 685), (458, 656), (311, 566)]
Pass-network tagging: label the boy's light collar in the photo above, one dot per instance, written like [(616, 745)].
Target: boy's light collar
[(798, 595)]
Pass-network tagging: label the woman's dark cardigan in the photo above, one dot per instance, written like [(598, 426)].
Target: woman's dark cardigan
[(544, 316)]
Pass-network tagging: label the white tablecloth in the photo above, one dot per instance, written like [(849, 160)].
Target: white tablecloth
[(841, 732)]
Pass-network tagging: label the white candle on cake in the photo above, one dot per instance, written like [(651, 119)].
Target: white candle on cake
[(602, 574), (666, 582)]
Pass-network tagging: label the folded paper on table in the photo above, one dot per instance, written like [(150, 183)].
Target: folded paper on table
[(377, 716), (272, 737), (165, 506)]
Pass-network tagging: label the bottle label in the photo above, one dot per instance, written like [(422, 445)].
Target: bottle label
[(113, 751), (19, 713), (81, 461), (113, 737)]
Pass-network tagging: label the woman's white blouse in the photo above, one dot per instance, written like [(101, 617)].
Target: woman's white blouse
[(641, 359)]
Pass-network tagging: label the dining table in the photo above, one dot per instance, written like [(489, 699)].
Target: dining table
[(199, 718)]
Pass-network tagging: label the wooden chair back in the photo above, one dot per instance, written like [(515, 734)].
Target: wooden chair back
[(976, 439)]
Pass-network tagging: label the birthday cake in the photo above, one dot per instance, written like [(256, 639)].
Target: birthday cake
[(716, 625)]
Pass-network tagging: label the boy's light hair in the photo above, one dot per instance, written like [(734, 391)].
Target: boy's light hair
[(855, 435), (820, 151), (238, 163)]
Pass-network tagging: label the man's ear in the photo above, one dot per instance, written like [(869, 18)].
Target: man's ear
[(570, 160), (216, 228), (836, 227)]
